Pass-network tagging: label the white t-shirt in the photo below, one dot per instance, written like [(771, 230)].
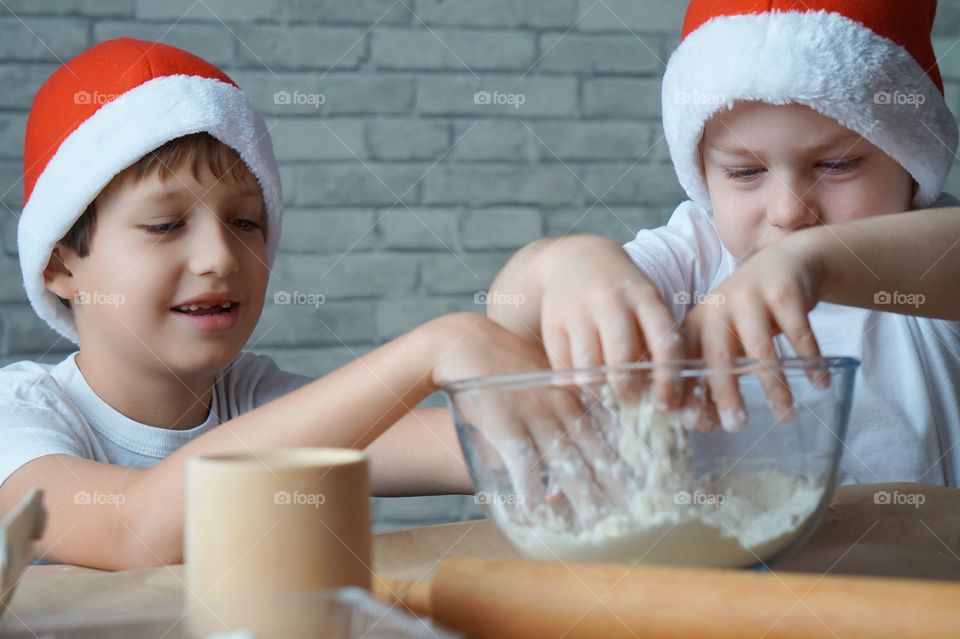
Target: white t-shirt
[(905, 420), (49, 409)]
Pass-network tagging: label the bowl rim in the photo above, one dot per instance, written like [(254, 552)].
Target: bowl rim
[(690, 368)]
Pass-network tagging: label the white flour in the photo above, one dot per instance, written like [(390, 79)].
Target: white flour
[(671, 517)]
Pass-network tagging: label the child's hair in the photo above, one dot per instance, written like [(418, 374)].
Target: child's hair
[(196, 149)]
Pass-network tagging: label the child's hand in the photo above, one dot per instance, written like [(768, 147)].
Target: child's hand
[(538, 432), (472, 345), (598, 308), (771, 293)]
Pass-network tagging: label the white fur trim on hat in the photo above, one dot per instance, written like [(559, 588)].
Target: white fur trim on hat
[(828, 62), (115, 137)]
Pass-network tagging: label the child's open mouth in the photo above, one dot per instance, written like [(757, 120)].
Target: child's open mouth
[(205, 309), (218, 316)]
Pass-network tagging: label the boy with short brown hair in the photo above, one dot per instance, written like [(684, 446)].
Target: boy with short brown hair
[(152, 217)]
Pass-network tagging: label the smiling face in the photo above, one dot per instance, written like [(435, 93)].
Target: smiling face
[(161, 240), (774, 169)]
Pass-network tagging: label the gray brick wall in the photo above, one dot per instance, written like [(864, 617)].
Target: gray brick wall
[(404, 195)]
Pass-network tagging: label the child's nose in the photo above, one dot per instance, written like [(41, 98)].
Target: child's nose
[(791, 207), (214, 250)]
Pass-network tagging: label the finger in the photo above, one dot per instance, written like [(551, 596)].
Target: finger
[(522, 463), (568, 468), (689, 384), (795, 326), (627, 385), (710, 419), (592, 436), (698, 411), (756, 337), (609, 425), (556, 343), (620, 338), (621, 343), (690, 333), (584, 343), (665, 345), (718, 351), (554, 492), (526, 476), (499, 422)]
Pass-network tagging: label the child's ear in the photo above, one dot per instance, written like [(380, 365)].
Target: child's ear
[(57, 277)]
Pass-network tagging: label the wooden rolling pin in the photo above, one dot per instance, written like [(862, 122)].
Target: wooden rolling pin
[(485, 598)]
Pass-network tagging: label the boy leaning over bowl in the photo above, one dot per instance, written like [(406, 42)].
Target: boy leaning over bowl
[(152, 216), (808, 137)]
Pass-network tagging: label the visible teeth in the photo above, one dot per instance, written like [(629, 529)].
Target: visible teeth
[(197, 307)]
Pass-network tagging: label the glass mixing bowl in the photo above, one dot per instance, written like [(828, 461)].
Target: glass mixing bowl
[(582, 465)]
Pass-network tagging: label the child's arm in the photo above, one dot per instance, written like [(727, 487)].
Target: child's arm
[(522, 278), (902, 263), (139, 522), (419, 455), (915, 254)]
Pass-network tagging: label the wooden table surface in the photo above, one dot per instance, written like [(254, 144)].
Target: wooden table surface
[(858, 536)]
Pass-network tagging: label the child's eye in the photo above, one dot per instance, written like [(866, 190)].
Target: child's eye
[(741, 174), (841, 166), (247, 225), (162, 229)]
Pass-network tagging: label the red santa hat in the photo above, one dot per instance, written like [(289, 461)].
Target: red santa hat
[(868, 64), (101, 112)]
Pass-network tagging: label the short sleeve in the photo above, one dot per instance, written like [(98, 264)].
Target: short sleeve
[(254, 380), (681, 258), (35, 422), (276, 383)]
